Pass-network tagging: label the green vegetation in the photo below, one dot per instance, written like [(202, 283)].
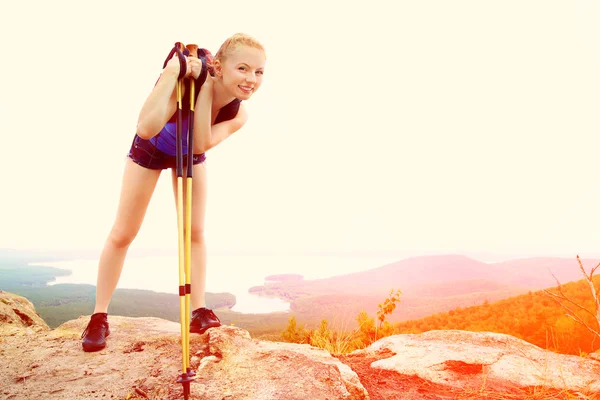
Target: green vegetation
[(339, 322), (60, 303), (15, 275), (345, 341), (63, 302), (260, 326)]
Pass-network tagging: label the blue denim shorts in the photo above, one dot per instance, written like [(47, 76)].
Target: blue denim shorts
[(144, 153)]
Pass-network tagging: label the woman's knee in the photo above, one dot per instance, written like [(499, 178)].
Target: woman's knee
[(120, 237), (197, 234)]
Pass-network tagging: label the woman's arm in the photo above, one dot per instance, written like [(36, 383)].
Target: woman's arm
[(206, 136), (203, 117), (159, 106), (161, 103), (223, 130)]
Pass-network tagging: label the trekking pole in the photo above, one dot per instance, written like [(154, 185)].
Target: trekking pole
[(193, 50), (185, 378)]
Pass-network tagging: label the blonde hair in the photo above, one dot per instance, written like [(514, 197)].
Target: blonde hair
[(238, 39)]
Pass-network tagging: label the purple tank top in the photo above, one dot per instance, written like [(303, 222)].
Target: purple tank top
[(166, 140)]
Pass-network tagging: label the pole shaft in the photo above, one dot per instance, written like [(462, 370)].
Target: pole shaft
[(188, 217), (180, 228), (182, 315), (188, 262)]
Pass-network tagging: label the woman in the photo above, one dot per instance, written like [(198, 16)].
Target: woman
[(238, 69)]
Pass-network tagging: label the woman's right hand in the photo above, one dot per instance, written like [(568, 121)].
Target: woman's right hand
[(173, 65)]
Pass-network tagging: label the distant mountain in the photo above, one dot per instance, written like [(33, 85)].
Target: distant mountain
[(429, 284), (537, 272), (531, 272), (450, 274)]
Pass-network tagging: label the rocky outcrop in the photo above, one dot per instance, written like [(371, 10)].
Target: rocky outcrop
[(16, 313), (453, 362), (143, 361)]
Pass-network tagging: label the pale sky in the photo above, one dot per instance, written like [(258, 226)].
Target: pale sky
[(451, 126)]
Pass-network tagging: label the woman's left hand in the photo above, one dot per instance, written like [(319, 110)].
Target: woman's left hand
[(195, 66)]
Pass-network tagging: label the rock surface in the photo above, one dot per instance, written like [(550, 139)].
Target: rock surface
[(480, 361), (143, 358), (143, 361), (16, 312)]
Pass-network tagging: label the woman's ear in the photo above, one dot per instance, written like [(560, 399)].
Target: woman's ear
[(218, 67)]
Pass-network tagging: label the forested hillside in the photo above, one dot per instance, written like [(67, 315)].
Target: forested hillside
[(533, 317)]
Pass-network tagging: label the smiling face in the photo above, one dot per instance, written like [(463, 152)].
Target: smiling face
[(241, 70)]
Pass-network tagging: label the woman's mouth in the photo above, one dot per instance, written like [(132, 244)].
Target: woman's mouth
[(245, 89)]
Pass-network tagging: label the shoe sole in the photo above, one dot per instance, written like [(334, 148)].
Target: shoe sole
[(90, 349), (201, 331)]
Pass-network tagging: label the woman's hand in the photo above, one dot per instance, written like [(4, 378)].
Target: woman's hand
[(193, 66)]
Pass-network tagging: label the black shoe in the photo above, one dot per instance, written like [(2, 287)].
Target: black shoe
[(202, 319), (94, 336)]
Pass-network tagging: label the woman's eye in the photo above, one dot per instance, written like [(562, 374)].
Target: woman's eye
[(260, 72), (242, 68)]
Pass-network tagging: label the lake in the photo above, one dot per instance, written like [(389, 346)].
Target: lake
[(225, 273)]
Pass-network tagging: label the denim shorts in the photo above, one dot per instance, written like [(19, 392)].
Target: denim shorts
[(144, 153)]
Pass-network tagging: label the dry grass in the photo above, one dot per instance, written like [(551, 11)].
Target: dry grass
[(483, 389), (531, 393), (526, 393)]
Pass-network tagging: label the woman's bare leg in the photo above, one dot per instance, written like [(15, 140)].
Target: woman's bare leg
[(136, 191), (198, 243)]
